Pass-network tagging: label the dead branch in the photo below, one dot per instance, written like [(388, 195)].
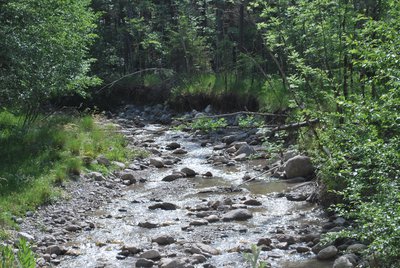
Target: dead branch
[(269, 171), (232, 114), (295, 125)]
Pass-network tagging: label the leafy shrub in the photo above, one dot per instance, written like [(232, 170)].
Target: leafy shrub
[(363, 168), (250, 121), (207, 124)]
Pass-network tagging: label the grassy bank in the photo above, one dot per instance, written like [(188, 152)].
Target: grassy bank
[(53, 150)]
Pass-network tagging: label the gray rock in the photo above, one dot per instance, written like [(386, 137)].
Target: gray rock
[(208, 174), (212, 218), (164, 240), (298, 166), (264, 242), (198, 222), (55, 261), (173, 146), (231, 150), (29, 213), (207, 249), (131, 249), (46, 257), (219, 147), (339, 221), (188, 172), (127, 176), (252, 202), (172, 263), (97, 176), (172, 177), (237, 215), (327, 253), (72, 228), (163, 206), (289, 154), (29, 238), (229, 139), (144, 263), (102, 160), (54, 249), (118, 164), (297, 196), (165, 119), (157, 162), (302, 249), (342, 262), (240, 157), (199, 258), (148, 225), (179, 151), (208, 109), (356, 248), (245, 149), (151, 255)]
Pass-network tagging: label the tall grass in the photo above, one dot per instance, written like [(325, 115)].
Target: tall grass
[(52, 151)]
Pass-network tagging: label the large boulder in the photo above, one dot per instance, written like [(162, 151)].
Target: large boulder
[(298, 166)]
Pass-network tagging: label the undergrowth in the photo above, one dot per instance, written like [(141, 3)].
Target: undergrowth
[(358, 152), (52, 150), (23, 258)]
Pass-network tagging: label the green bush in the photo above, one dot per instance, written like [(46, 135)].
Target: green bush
[(363, 168), (208, 124)]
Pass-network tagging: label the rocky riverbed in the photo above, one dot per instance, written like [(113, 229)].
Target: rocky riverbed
[(188, 205)]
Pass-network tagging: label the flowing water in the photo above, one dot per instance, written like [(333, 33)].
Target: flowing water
[(117, 221)]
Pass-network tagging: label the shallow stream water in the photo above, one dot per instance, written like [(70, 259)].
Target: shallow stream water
[(117, 221)]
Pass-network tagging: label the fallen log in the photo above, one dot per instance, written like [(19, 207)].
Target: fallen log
[(295, 125), (232, 114)]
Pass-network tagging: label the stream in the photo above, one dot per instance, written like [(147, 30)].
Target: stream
[(276, 218)]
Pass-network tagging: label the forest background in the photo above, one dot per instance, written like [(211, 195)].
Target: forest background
[(335, 60)]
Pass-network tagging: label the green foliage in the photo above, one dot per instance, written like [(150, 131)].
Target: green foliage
[(51, 152), (250, 121), (44, 47), (363, 168), (208, 124), (253, 258), (24, 258)]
